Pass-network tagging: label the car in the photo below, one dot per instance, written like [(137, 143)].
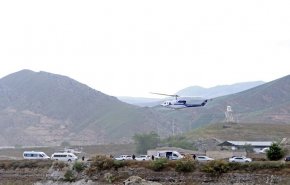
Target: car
[(124, 157), (287, 158), (241, 159), (202, 158), (143, 158), (264, 150)]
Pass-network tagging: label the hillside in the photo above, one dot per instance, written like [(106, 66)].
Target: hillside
[(40, 108), (217, 91), (197, 91), (267, 103), (241, 132)]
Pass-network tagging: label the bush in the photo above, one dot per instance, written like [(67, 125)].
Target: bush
[(158, 164), (102, 162), (216, 167), (185, 165), (119, 164), (69, 176), (78, 166), (275, 152), (59, 165)]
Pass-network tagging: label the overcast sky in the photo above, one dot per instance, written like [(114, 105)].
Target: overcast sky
[(135, 47)]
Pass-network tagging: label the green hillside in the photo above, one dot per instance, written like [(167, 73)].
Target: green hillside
[(40, 108), (241, 132)]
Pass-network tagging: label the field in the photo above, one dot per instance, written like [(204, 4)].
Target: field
[(88, 151), (242, 132)]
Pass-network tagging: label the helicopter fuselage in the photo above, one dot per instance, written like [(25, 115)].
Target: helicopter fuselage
[(180, 104)]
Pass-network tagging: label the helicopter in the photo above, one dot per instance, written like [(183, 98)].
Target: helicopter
[(179, 103)]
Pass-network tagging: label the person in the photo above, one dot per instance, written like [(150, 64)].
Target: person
[(133, 157), (152, 157), (83, 158), (194, 156)]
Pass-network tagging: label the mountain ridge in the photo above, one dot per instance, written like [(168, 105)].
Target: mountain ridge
[(57, 108)]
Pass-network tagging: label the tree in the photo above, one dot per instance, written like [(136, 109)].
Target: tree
[(146, 141), (275, 152)]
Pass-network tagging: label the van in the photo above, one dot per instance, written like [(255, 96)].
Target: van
[(170, 155), (64, 156), (34, 155)]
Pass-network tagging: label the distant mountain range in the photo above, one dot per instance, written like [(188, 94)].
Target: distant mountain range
[(40, 108), (217, 91), (267, 103), (195, 91)]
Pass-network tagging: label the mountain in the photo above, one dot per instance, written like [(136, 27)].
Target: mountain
[(140, 101), (40, 108), (217, 91), (267, 103), (198, 91)]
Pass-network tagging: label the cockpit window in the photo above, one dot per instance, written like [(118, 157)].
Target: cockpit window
[(181, 101)]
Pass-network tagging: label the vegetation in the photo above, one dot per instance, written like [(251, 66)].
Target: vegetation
[(158, 164), (25, 164), (178, 141), (216, 167), (69, 176), (145, 142), (78, 166), (59, 165), (275, 152), (185, 165), (101, 162), (249, 148)]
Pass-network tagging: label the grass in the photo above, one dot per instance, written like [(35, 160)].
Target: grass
[(242, 131)]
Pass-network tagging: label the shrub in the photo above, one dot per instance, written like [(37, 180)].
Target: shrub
[(69, 176), (102, 162), (59, 165), (216, 167), (78, 166), (185, 165), (109, 177), (119, 164), (275, 152), (158, 164)]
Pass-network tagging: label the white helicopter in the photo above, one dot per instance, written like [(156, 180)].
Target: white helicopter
[(179, 103)]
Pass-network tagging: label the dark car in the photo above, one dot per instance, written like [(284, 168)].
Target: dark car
[(287, 158)]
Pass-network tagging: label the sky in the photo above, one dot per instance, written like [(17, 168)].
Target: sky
[(133, 47)]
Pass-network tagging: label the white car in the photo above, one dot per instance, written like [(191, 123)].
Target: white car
[(241, 159), (143, 158), (204, 158), (124, 157)]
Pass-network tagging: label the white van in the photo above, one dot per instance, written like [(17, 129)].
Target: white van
[(34, 155), (170, 155), (64, 156)]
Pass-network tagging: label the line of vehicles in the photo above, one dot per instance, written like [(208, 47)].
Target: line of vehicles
[(170, 155), (60, 156), (174, 155)]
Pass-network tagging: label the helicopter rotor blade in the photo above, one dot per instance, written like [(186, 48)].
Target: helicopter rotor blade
[(172, 95)]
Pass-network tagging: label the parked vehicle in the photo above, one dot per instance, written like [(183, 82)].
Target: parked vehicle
[(143, 158), (287, 158), (264, 150), (204, 158), (64, 156), (124, 157), (35, 155), (241, 159), (170, 155)]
